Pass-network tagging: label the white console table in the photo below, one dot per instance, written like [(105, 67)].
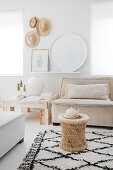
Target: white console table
[(32, 102)]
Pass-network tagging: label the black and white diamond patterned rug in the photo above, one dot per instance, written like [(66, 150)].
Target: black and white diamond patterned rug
[(45, 153)]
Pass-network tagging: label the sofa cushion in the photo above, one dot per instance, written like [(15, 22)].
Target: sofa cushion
[(7, 117), (83, 102), (89, 91), (83, 81)]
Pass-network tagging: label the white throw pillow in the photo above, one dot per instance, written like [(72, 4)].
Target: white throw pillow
[(90, 91)]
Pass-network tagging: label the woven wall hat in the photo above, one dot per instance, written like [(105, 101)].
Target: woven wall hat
[(43, 27), (33, 22), (32, 39)]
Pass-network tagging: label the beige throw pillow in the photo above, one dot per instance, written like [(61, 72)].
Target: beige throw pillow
[(90, 91)]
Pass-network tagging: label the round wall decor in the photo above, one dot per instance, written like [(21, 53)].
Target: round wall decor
[(68, 52), (32, 39)]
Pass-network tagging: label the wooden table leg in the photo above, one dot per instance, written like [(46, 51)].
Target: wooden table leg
[(28, 109), (45, 116), (12, 109), (40, 116), (3, 108)]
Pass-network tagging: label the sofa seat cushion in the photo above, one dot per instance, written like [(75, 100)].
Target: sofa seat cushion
[(83, 102), (7, 117)]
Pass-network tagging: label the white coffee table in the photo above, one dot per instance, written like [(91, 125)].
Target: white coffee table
[(35, 102)]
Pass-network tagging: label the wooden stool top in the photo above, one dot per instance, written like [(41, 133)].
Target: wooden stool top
[(83, 119)]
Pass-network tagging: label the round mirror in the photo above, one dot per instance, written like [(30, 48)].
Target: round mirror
[(68, 52)]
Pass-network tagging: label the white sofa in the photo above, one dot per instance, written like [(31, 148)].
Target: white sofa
[(100, 112), (12, 130)]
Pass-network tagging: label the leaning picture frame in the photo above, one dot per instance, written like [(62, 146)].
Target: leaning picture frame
[(39, 60)]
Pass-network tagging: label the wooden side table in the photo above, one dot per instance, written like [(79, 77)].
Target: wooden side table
[(34, 102), (73, 133)]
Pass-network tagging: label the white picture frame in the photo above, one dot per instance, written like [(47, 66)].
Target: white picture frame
[(39, 60)]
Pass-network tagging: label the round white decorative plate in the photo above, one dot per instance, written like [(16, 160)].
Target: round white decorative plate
[(68, 52)]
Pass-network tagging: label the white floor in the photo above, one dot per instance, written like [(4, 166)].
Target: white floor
[(14, 157)]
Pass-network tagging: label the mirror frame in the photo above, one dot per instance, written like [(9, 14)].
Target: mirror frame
[(84, 57)]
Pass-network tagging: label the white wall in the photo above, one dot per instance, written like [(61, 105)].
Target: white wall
[(102, 37), (64, 15)]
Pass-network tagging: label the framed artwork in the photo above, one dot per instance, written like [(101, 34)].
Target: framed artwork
[(39, 60)]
